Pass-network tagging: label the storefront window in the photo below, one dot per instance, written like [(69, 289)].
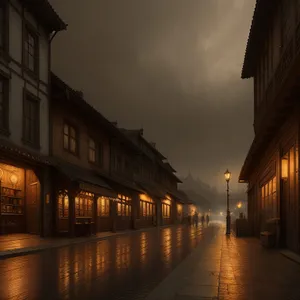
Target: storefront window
[(103, 206), (179, 210), (268, 197), (84, 204), (147, 206), (63, 204), (11, 190), (166, 208), (124, 206)]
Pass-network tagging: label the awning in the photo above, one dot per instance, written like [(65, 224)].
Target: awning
[(153, 190), (177, 196), (86, 179), (95, 189), (119, 183), (14, 151)]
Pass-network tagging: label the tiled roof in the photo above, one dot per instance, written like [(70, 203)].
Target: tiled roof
[(45, 14)]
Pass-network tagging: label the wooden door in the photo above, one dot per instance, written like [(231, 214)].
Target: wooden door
[(32, 203), (284, 208), (290, 204)]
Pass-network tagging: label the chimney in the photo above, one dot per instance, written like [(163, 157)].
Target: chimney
[(115, 123), (141, 131), (153, 144)]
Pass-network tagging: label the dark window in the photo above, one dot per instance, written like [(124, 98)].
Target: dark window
[(95, 152), (70, 139), (31, 120), (3, 25), (4, 103), (119, 163), (113, 161), (100, 154), (92, 150), (31, 50)]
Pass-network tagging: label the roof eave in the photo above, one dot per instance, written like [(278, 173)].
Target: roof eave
[(55, 23)]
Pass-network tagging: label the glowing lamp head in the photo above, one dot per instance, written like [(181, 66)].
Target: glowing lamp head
[(14, 179), (227, 175), (239, 205)]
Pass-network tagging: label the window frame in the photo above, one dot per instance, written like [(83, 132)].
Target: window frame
[(29, 30), (5, 28), (124, 206), (84, 205), (103, 202), (98, 149), (76, 139), (29, 97), (6, 95), (63, 207), (268, 196), (94, 149)]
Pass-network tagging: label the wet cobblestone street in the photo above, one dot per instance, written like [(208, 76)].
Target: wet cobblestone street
[(126, 267)]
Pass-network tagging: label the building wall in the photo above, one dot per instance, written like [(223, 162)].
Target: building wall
[(62, 113), (123, 160), (19, 79), (277, 38), (268, 167)]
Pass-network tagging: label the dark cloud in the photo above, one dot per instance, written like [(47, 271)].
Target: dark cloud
[(170, 66)]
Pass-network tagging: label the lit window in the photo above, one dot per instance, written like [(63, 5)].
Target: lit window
[(124, 206), (103, 207), (269, 199), (84, 204), (63, 204)]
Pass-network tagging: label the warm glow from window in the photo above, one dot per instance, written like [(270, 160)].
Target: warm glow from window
[(284, 168), (84, 204), (269, 199), (145, 197), (179, 209), (103, 206)]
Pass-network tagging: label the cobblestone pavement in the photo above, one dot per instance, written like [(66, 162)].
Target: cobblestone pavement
[(123, 267), (229, 268)]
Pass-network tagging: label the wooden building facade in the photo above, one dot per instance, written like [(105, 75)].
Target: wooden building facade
[(64, 168), (26, 32), (271, 168)]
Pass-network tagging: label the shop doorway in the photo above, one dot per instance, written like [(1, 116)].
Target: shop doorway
[(32, 203)]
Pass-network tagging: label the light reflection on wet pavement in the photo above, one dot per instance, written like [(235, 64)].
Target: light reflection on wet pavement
[(125, 267)]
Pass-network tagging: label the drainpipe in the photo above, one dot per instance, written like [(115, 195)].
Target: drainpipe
[(52, 203)]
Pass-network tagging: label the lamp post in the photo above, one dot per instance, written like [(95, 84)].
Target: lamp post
[(228, 219)]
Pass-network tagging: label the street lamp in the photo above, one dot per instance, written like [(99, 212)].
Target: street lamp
[(228, 219)]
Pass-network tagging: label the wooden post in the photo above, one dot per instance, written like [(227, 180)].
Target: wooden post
[(114, 215), (72, 216), (95, 214), (134, 209)]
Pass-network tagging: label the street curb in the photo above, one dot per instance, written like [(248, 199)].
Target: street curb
[(31, 250), (291, 256)]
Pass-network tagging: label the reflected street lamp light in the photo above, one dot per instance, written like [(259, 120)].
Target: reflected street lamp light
[(227, 175)]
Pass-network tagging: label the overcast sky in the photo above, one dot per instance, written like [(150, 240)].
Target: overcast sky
[(170, 66)]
